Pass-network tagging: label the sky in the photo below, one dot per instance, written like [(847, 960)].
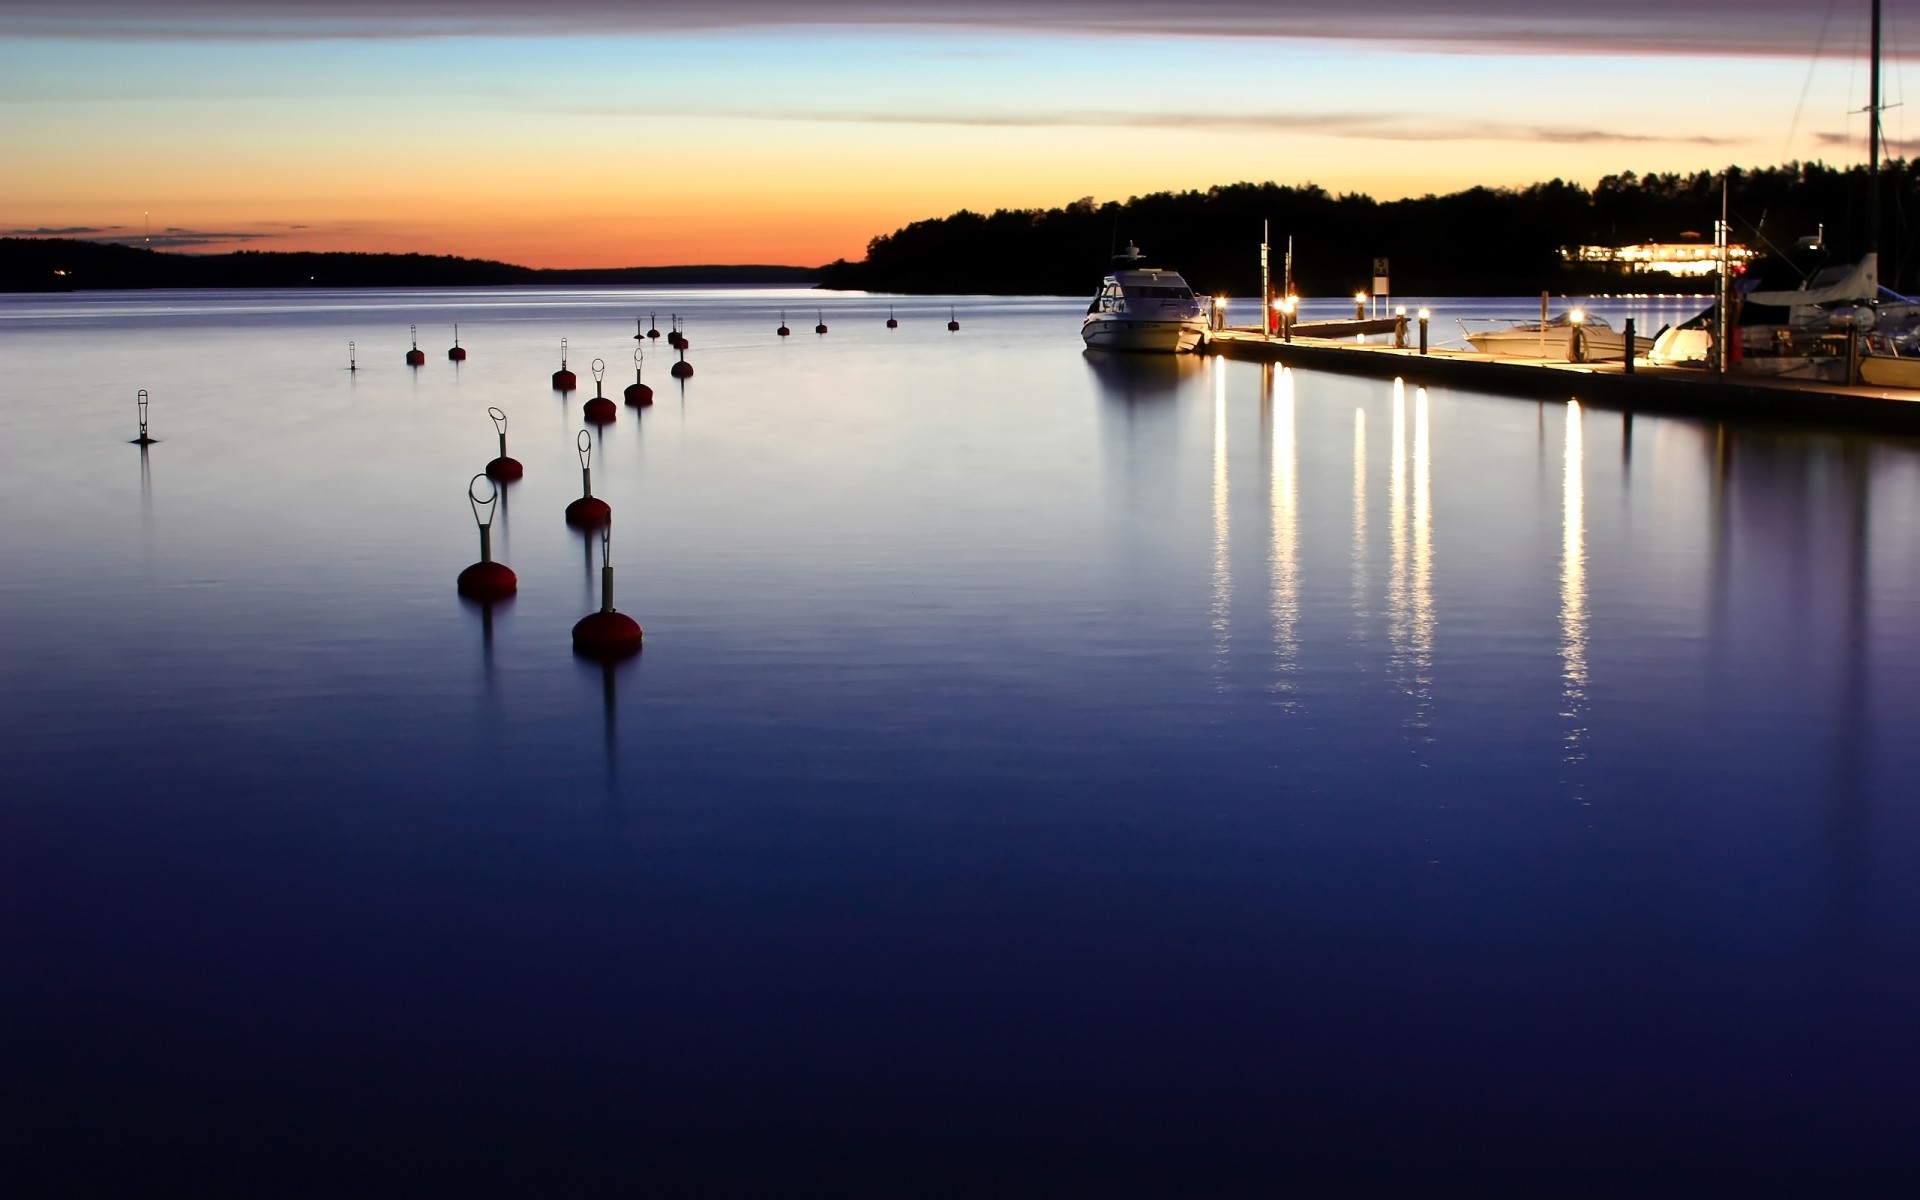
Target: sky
[(579, 133)]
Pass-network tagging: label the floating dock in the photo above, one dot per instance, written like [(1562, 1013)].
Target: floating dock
[(1647, 388)]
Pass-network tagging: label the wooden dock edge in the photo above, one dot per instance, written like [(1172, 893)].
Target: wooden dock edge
[(1650, 389)]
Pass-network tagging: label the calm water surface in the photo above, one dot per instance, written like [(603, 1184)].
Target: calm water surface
[(1045, 773)]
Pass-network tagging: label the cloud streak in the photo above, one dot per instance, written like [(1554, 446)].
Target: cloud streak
[(1390, 127), (1785, 27)]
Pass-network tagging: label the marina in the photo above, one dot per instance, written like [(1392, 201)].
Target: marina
[(1114, 750)]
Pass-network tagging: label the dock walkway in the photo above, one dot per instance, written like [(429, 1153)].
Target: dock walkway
[(1647, 389)]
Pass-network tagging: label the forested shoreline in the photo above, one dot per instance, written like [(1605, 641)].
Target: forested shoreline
[(1482, 241)]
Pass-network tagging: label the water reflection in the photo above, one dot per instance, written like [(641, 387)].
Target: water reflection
[(1139, 377), (1420, 617), (1397, 526), (1283, 503), (1573, 590), (1360, 605), (1222, 564)]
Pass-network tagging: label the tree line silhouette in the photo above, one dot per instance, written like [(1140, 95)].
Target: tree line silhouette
[(1481, 241)]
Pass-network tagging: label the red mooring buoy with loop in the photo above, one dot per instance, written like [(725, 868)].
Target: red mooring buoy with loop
[(353, 367), (676, 337), (486, 579), (563, 380), (783, 331), (822, 319), (140, 406), (653, 327), (416, 357), (588, 512), (503, 468), (682, 369), (639, 395), (456, 354), (953, 322), (891, 322), (600, 410), (607, 635)]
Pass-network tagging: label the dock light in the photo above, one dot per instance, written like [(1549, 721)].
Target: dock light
[(1359, 306), (1424, 316), (1576, 316), (1576, 341), (1286, 315)]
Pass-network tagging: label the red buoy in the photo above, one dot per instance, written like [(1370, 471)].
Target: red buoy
[(822, 326), (600, 410), (953, 322), (607, 635), (639, 395), (653, 328), (891, 323), (783, 331), (563, 380), (504, 469), (140, 402), (486, 579), (416, 357), (682, 370), (588, 512), (456, 353)]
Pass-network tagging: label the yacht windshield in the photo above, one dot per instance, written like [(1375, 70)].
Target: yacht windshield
[(1138, 292)]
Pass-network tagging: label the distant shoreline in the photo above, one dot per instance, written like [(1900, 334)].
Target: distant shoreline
[(35, 265)]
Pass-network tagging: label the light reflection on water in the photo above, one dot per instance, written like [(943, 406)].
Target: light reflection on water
[(949, 808)]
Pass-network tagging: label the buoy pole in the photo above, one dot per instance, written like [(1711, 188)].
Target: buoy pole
[(486, 579), (820, 319), (416, 357), (503, 468), (953, 321), (456, 353), (140, 406), (352, 366), (588, 512), (606, 634)]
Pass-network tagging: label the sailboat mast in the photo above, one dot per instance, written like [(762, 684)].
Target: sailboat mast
[(1873, 138)]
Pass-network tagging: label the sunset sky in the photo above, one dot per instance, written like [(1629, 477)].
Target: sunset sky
[(604, 133)]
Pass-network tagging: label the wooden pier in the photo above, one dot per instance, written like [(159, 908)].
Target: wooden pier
[(1606, 384)]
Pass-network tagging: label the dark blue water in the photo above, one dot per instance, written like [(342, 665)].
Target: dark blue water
[(1045, 774)]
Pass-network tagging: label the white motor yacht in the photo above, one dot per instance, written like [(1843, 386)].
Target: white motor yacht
[(1599, 341), (1144, 308)]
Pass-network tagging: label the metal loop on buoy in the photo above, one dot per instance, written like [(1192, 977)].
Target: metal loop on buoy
[(638, 358), (484, 519), (563, 354), (585, 444), (499, 420), (606, 544), (599, 369)]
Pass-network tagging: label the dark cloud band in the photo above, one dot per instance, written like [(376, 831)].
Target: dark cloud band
[(1622, 26)]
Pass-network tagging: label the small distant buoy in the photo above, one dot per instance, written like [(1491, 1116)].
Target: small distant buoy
[(457, 354), (783, 331), (600, 410), (822, 326), (352, 365), (416, 357), (891, 323), (953, 322), (140, 404), (486, 579), (607, 635), (503, 468), (563, 379), (653, 327), (639, 395), (674, 337), (588, 512)]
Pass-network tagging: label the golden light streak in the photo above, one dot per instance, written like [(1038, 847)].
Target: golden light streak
[(1222, 568), (1573, 588), (1284, 503), (1420, 598), (1397, 527), (1360, 518)]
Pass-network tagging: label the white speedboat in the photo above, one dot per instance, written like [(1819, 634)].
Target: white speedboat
[(1144, 308), (1598, 341)]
